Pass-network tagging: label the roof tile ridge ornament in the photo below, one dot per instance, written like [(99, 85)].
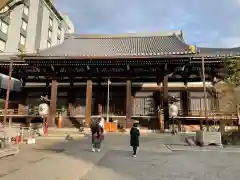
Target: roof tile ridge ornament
[(192, 49), (180, 36)]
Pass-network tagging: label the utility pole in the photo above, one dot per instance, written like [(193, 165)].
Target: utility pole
[(205, 96), (108, 98), (8, 92)]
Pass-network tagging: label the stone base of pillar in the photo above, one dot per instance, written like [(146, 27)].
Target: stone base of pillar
[(206, 138)]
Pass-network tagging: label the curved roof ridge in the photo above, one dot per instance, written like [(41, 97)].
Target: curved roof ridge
[(141, 34), (219, 48)]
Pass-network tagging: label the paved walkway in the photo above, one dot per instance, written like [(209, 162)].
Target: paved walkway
[(73, 160)]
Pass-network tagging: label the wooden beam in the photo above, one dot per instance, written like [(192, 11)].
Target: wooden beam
[(165, 103), (128, 100)]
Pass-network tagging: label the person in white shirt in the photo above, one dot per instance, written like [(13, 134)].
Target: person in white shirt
[(173, 113)]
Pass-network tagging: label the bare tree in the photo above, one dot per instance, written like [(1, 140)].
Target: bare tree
[(11, 4)]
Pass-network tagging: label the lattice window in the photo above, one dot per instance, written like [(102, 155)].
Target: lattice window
[(144, 106)]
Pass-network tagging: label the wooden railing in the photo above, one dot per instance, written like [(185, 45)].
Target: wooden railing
[(192, 114)]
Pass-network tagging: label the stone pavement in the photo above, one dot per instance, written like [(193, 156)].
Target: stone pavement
[(73, 160)]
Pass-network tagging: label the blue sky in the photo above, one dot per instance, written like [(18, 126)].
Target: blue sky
[(212, 23)]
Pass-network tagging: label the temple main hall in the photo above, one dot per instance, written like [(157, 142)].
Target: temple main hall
[(120, 77)]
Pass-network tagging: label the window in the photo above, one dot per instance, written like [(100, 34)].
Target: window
[(49, 34), (3, 27), (24, 25), (26, 10), (22, 40), (58, 41), (50, 22), (59, 32), (48, 44), (2, 45)]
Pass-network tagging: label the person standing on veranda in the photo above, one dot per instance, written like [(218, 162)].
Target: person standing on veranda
[(173, 113)]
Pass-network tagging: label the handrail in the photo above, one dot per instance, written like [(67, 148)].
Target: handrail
[(59, 112)]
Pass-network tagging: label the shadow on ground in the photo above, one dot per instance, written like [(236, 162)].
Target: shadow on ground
[(154, 160), (115, 157)]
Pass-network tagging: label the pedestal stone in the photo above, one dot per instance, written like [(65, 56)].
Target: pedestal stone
[(206, 138)]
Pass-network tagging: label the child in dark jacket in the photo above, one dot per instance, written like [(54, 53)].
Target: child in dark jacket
[(134, 139)]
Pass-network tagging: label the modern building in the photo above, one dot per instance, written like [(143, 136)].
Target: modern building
[(144, 70), (34, 26), (69, 26)]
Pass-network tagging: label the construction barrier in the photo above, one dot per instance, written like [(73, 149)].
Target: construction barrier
[(17, 139), (110, 127)]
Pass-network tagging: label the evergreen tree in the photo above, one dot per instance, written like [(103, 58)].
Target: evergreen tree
[(232, 72), (227, 91)]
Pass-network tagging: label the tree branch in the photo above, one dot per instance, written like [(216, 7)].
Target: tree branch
[(11, 7)]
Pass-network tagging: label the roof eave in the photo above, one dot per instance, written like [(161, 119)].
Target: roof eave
[(194, 56), (104, 57), (52, 7)]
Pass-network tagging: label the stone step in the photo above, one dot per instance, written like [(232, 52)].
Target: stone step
[(66, 134), (56, 130), (68, 131), (62, 136)]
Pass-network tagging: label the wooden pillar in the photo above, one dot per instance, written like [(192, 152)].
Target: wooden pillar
[(88, 108), (165, 103), (159, 106), (53, 103), (128, 102), (99, 99), (185, 102)]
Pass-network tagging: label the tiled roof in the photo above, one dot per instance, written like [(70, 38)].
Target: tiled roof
[(120, 45), (215, 52)]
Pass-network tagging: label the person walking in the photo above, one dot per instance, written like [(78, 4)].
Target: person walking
[(134, 138), (97, 136)]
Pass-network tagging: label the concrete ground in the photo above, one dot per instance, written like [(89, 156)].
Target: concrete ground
[(161, 157)]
